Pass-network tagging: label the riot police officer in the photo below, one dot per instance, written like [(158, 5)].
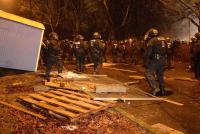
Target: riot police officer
[(96, 50), (197, 57), (192, 48), (43, 57), (169, 52), (121, 51), (128, 51), (79, 52), (64, 46), (133, 52), (114, 51), (105, 47), (54, 54), (155, 60)]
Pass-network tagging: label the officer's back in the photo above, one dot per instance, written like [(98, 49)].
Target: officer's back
[(156, 49), (53, 47)]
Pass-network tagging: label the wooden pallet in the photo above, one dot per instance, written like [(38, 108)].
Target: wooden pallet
[(75, 86), (60, 85), (65, 103)]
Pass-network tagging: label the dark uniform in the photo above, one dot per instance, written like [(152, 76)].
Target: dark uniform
[(169, 51), (43, 57), (121, 52), (114, 51), (80, 53), (70, 51), (192, 48), (155, 60), (128, 52), (86, 45), (105, 45), (133, 53), (96, 50), (197, 57), (54, 54), (64, 47)]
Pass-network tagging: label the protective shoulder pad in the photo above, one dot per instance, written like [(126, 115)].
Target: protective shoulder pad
[(161, 38)]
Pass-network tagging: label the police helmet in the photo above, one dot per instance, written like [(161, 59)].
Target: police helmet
[(197, 35), (153, 32), (167, 39), (79, 37), (53, 36), (193, 39), (96, 35), (130, 40)]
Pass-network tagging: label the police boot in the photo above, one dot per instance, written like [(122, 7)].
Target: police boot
[(47, 78), (161, 93), (156, 91)]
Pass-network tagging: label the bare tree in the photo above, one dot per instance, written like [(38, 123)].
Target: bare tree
[(123, 9), (48, 12), (78, 13), (181, 9)]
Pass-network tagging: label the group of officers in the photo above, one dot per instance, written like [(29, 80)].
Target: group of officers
[(55, 50), (131, 51), (157, 53)]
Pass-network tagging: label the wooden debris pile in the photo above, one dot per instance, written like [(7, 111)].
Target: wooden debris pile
[(86, 86), (66, 104)]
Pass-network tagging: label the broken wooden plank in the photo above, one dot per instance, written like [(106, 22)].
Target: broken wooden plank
[(166, 100), (123, 70), (129, 99), (166, 129), (76, 102), (117, 88), (49, 107), (185, 79), (23, 110), (73, 99), (98, 75), (138, 77), (70, 76), (131, 82), (83, 99), (77, 93), (58, 103), (61, 85), (173, 102)]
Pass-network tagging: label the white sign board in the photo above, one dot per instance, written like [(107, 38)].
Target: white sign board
[(19, 45)]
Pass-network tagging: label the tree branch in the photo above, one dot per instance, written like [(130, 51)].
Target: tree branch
[(189, 6), (125, 16)]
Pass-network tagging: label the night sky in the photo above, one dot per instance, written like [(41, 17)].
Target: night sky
[(143, 14)]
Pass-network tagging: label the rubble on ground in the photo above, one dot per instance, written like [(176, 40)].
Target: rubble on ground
[(102, 123)]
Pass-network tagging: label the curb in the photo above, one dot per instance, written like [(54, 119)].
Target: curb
[(137, 121)]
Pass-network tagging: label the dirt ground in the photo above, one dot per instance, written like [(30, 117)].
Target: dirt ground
[(184, 118), (16, 122)]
